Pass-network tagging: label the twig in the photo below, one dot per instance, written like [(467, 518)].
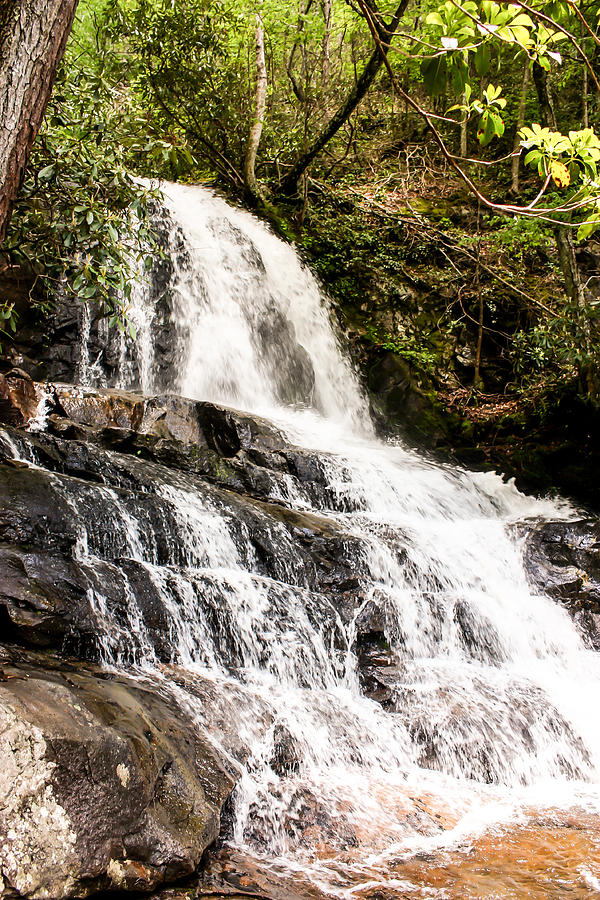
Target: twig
[(460, 249), (509, 209)]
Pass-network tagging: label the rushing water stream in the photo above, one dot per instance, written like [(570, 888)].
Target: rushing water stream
[(492, 696)]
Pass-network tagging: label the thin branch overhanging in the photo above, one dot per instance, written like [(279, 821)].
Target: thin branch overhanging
[(547, 214)]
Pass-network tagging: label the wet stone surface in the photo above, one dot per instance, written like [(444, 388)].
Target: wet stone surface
[(133, 530), (106, 784), (563, 559), (123, 772)]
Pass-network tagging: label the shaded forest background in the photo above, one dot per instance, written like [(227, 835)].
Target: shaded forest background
[(350, 127)]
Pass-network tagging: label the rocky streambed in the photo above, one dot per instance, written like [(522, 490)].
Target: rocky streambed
[(110, 782), (119, 760)]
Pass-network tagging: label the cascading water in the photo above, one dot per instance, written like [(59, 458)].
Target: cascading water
[(491, 691)]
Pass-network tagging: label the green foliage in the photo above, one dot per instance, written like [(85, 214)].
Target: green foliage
[(414, 348), (521, 238), (81, 221), (491, 123), (571, 155), (182, 75), (559, 348), (164, 89)]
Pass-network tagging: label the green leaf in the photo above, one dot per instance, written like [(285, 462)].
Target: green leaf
[(482, 59), (434, 73), (459, 73), (532, 157), (522, 19), (498, 123), (521, 34), (487, 128), (587, 228)]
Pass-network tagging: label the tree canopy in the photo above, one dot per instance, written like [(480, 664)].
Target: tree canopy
[(287, 103)]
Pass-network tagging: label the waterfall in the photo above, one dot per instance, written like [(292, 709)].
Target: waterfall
[(490, 690)]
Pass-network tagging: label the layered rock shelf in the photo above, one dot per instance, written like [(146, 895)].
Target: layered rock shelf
[(112, 779)]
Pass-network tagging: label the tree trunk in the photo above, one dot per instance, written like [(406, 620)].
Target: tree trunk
[(520, 122), (300, 90), (564, 241), (463, 131), (386, 33), (327, 7), (585, 86), (33, 37), (545, 98), (564, 237), (260, 100)]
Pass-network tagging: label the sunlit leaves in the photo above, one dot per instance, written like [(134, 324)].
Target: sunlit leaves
[(577, 150), (565, 158), (560, 174), (480, 30)]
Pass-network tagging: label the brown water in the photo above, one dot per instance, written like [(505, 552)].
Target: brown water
[(553, 854)]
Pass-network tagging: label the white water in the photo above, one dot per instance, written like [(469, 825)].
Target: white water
[(488, 725)]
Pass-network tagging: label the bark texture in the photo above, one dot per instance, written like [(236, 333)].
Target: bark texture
[(386, 34), (564, 236), (33, 36), (260, 100)]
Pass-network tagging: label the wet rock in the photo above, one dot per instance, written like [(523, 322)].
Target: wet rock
[(237, 715), (286, 754), (563, 559), (32, 514), (19, 397), (107, 784), (95, 545), (108, 408), (289, 365), (53, 596), (235, 874), (42, 597), (224, 446), (403, 400), (307, 820)]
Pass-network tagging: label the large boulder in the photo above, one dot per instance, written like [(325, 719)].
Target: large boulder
[(106, 783)]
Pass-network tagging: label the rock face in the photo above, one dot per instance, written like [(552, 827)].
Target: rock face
[(120, 761), (59, 343), (114, 782), (227, 459), (402, 400), (106, 783), (563, 558), (18, 397)]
